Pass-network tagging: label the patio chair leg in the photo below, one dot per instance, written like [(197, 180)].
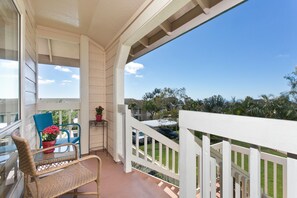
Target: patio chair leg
[(97, 182), (75, 195)]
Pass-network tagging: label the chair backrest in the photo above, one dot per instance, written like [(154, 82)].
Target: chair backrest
[(26, 161), (42, 121)]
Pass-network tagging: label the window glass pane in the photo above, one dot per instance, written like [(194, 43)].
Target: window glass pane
[(9, 64)]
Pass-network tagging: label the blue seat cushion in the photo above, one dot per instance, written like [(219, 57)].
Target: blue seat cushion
[(65, 140)]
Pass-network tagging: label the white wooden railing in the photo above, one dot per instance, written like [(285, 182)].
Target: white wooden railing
[(266, 158), (258, 132), (154, 143), (60, 105)]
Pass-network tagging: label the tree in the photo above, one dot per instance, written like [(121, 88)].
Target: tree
[(292, 78)]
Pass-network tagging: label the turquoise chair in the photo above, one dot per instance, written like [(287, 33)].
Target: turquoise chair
[(44, 120)]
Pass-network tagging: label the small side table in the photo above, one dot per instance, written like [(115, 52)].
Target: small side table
[(103, 124)]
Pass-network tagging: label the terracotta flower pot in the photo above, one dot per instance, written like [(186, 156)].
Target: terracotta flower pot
[(48, 144), (98, 118)]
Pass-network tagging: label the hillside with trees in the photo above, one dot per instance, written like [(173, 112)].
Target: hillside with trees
[(166, 102)]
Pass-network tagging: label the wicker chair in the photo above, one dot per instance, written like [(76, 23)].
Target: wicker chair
[(55, 181)]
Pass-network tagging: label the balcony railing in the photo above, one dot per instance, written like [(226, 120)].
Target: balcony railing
[(152, 149), (65, 108), (278, 135)]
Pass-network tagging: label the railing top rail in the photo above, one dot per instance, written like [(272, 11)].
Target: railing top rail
[(271, 133), (154, 134), (58, 104)]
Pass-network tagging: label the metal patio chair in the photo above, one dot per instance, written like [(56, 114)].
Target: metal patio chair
[(44, 120)]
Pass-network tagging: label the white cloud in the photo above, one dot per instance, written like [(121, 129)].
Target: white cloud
[(75, 76), (45, 82), (132, 67), (138, 76), (39, 77), (63, 69), (66, 81), (13, 65)]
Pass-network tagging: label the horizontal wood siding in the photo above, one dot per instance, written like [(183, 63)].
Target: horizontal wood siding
[(110, 61), (97, 92), (29, 79)]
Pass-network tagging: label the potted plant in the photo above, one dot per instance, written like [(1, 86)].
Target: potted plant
[(99, 111), (49, 135)]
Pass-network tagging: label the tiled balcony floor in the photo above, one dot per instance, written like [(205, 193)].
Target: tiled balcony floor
[(115, 183)]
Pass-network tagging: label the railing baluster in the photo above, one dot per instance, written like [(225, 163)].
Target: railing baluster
[(205, 166), (227, 177), (235, 157), (160, 154), (167, 157), (137, 142), (242, 161), (275, 179), (60, 121), (145, 147), (243, 181), (266, 177), (237, 185), (291, 175), (70, 121), (213, 177), (153, 151), (255, 173), (173, 161)]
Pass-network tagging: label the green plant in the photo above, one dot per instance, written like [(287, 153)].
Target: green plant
[(50, 133), (99, 110)]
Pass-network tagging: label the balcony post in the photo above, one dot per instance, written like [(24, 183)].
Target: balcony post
[(255, 172), (187, 167), (291, 175), (128, 140)]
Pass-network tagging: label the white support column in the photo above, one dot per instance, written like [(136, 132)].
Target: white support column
[(291, 175), (255, 172), (84, 93), (187, 165), (128, 139), (118, 81), (213, 177), (227, 177), (205, 189)]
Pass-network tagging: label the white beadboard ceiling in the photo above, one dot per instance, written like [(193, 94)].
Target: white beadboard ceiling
[(101, 20)]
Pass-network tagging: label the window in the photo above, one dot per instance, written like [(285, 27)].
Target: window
[(9, 63), (9, 94)]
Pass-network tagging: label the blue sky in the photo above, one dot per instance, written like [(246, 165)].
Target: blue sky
[(247, 51), (58, 81)]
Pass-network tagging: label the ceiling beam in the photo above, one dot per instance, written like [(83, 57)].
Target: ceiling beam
[(166, 27), (49, 44), (144, 41), (204, 4)]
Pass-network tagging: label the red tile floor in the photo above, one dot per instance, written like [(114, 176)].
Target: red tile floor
[(115, 183)]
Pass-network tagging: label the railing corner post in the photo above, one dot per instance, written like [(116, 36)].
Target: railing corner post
[(187, 167)]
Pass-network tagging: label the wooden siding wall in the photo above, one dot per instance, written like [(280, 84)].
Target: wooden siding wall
[(97, 91), (30, 79), (110, 61)]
